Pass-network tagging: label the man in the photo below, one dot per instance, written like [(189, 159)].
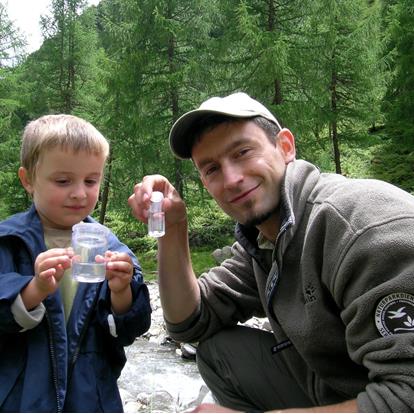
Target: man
[(328, 260)]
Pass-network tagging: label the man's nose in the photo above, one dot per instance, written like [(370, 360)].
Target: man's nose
[(232, 175)]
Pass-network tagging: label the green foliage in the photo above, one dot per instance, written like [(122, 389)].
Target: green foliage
[(11, 189), (399, 102), (63, 75), (209, 226), (12, 196), (129, 230), (202, 260), (148, 262), (393, 162), (381, 157), (12, 42), (133, 67)]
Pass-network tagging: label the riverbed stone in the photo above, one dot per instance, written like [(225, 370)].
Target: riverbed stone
[(161, 375)]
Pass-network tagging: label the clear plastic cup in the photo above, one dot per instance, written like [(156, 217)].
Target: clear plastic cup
[(89, 242)]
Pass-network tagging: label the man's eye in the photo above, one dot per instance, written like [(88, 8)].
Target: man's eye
[(243, 152), (210, 171)]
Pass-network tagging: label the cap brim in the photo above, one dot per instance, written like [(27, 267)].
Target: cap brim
[(180, 139)]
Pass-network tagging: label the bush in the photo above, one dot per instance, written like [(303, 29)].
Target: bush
[(130, 231), (209, 226)]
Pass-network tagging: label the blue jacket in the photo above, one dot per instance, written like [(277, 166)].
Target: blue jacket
[(53, 367)]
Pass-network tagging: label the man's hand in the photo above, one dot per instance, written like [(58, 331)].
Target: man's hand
[(179, 290), (212, 408), (349, 406), (173, 205)]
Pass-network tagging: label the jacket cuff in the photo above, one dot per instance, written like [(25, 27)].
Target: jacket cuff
[(112, 325), (177, 328), (27, 319)]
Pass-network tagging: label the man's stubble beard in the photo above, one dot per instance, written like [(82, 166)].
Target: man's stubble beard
[(259, 219)]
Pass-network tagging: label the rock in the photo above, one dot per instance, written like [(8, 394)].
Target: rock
[(227, 251), (220, 255), (133, 407), (161, 375), (188, 351), (155, 378), (217, 256)]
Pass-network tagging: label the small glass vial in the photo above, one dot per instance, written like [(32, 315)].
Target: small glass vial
[(156, 218)]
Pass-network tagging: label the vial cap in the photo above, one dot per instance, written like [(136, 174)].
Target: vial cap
[(157, 196)]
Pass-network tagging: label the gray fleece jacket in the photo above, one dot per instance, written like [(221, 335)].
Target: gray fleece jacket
[(338, 289)]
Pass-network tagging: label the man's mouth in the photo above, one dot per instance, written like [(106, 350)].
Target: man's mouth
[(244, 195)]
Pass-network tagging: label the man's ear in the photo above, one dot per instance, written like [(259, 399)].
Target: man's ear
[(286, 142), (25, 180)]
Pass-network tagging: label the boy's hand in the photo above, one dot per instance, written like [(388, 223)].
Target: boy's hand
[(49, 269), (119, 270)]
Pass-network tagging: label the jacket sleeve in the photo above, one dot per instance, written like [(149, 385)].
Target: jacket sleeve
[(11, 284), (137, 320), (229, 294), (376, 293)]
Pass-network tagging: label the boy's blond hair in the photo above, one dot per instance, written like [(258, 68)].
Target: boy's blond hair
[(67, 132)]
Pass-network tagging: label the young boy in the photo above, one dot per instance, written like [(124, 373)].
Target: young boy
[(61, 342)]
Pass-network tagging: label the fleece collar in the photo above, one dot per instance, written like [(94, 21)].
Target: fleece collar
[(299, 181)]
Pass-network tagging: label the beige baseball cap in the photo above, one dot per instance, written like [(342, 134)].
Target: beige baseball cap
[(237, 105)]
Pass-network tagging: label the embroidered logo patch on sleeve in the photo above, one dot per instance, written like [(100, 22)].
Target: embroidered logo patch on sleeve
[(395, 314)]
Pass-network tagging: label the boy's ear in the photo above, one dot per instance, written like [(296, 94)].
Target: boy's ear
[(24, 179)]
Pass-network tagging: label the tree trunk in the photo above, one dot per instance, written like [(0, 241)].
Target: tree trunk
[(271, 26), (70, 104), (277, 95), (334, 123), (105, 189), (61, 18), (178, 173)]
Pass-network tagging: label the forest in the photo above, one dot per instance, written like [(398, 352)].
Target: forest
[(338, 73)]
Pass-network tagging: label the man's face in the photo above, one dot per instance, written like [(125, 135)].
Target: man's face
[(243, 170)]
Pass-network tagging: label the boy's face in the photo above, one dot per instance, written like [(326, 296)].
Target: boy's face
[(66, 186)]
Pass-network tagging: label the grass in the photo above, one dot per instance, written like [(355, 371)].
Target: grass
[(201, 258)]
